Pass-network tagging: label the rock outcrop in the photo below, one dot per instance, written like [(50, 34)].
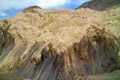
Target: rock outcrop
[(59, 45)]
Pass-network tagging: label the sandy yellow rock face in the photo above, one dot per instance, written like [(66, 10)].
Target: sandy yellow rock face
[(59, 27), (61, 44)]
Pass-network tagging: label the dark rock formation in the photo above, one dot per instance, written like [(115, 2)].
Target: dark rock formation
[(99, 4)]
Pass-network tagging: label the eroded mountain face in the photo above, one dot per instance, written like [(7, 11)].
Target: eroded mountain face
[(58, 45)]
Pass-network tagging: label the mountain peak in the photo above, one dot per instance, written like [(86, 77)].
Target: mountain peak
[(30, 8)]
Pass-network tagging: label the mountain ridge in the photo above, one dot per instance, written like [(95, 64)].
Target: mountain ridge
[(99, 4)]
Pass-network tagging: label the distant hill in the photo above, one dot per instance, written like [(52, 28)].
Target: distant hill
[(100, 4)]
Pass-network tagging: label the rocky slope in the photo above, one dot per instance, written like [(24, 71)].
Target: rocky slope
[(100, 4), (40, 44)]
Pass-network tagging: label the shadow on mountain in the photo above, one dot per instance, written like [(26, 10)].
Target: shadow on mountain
[(100, 5)]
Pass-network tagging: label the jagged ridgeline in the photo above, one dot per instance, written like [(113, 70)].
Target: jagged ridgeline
[(40, 44)]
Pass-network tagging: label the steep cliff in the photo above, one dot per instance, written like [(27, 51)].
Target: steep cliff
[(59, 45)]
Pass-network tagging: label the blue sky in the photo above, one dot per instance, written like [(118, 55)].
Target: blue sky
[(11, 7)]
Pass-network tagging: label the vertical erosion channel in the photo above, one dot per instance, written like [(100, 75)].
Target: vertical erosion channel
[(95, 54)]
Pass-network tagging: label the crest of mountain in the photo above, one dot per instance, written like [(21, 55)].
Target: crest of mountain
[(31, 8)]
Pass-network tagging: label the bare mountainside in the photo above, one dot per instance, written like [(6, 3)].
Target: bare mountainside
[(40, 44), (100, 4)]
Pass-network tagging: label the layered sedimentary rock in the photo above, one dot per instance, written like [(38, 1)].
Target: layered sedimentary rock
[(58, 45)]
